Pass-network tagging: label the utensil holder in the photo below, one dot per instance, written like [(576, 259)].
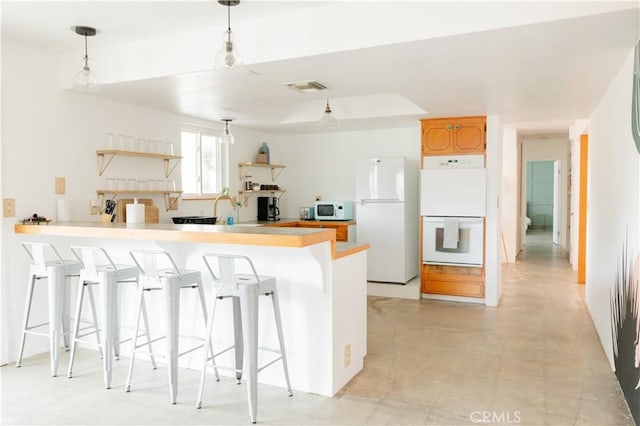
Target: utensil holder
[(106, 218)]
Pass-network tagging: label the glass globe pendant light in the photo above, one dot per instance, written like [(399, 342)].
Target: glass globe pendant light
[(84, 80), (227, 137), (328, 120), (228, 58)]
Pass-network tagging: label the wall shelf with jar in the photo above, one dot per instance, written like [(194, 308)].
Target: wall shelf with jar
[(251, 188)]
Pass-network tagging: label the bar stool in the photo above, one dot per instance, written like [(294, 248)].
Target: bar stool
[(170, 280), (244, 290), (58, 273), (98, 269)]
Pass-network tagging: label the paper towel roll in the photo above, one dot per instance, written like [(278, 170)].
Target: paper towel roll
[(135, 213)]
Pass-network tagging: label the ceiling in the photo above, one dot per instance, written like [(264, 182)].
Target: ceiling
[(551, 71)]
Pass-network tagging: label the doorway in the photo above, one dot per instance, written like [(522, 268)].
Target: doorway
[(542, 192)]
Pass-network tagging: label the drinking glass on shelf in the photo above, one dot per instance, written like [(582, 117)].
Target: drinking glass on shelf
[(131, 143), (109, 141), (121, 143), (122, 184), (169, 148), (142, 185), (132, 184), (152, 146), (142, 145)]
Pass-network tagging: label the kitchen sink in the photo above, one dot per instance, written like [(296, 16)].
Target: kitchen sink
[(201, 220)]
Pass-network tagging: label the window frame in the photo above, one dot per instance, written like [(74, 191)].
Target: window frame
[(222, 161)]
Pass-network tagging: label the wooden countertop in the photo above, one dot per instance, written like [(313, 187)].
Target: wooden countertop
[(246, 234), (284, 222)]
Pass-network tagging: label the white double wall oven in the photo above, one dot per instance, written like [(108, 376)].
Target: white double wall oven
[(452, 206)]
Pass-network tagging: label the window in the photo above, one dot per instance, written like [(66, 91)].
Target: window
[(204, 162)]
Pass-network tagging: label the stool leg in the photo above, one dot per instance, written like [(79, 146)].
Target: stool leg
[(94, 317), (145, 319), (107, 283), (238, 339), (208, 349), (76, 327), (55, 278), (27, 312), (65, 311), (134, 340), (172, 309), (115, 331), (249, 310), (204, 315), (276, 314)]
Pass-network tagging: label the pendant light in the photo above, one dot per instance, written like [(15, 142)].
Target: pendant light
[(328, 120), (228, 58), (227, 137), (84, 80)]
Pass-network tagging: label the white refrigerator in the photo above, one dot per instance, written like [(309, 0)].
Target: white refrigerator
[(387, 217)]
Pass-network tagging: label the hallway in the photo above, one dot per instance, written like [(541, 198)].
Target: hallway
[(535, 360)]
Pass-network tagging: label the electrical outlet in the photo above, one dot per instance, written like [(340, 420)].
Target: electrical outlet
[(347, 355), (9, 207), (60, 183)]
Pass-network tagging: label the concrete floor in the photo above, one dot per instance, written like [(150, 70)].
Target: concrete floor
[(534, 360)]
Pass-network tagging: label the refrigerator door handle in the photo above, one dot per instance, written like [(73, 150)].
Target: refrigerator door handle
[(379, 200)]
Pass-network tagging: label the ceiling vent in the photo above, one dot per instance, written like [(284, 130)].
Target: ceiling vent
[(306, 86)]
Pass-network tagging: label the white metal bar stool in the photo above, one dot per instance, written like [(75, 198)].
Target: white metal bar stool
[(58, 273), (98, 269), (170, 281), (244, 290)]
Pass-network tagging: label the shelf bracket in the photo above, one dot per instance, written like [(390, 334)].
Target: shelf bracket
[(167, 170), (101, 166), (169, 203), (274, 174)]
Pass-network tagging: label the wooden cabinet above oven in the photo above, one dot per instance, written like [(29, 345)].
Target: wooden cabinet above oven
[(455, 135)]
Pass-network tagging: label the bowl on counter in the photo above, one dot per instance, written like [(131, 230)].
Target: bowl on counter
[(200, 220)]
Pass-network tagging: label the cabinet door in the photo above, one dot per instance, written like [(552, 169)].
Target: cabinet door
[(436, 137), (342, 233), (469, 135)]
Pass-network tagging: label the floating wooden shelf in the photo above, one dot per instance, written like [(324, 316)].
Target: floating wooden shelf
[(275, 169), (170, 197), (111, 153)]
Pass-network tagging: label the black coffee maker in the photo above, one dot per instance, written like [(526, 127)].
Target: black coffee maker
[(268, 208)]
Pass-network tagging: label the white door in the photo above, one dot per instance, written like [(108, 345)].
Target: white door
[(380, 179), (382, 226)]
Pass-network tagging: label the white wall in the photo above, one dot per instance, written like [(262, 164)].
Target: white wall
[(510, 192), (493, 266), (324, 164), (554, 147), (613, 198)]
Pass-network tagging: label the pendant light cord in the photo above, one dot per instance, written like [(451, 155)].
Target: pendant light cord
[(86, 56), (229, 18)]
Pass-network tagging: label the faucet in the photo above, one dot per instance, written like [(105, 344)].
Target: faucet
[(223, 196)]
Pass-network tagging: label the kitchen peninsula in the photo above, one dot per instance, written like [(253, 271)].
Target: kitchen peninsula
[(321, 284)]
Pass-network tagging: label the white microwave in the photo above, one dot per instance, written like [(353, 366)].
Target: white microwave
[(334, 210)]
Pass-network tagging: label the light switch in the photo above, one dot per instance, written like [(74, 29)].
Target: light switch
[(59, 185), (9, 207)]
